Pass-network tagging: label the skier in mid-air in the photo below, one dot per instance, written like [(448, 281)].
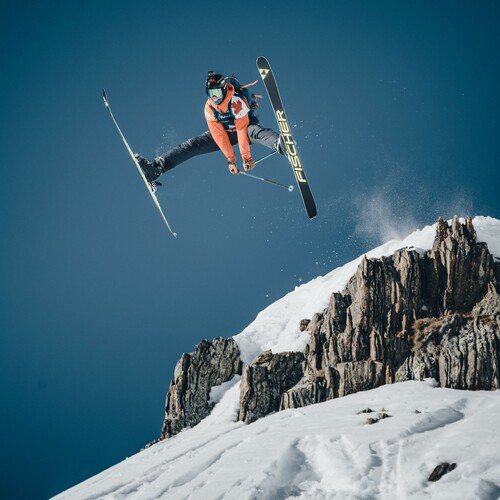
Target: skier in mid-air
[(229, 112)]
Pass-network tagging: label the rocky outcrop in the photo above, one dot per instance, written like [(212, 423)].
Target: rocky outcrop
[(188, 398), (460, 351), (440, 470), (264, 382), (458, 269), (407, 316)]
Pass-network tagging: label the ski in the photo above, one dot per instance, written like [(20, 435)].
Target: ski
[(151, 186), (269, 81)]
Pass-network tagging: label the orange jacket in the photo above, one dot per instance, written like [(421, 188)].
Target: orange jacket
[(240, 109)]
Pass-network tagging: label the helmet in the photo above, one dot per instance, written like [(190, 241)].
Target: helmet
[(215, 87)]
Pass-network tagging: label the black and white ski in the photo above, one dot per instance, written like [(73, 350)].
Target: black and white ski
[(151, 186), (269, 80)]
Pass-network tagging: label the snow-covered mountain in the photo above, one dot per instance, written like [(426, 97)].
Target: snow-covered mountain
[(331, 449), (276, 327)]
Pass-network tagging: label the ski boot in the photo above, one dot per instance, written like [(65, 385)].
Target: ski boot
[(280, 147), (150, 168)]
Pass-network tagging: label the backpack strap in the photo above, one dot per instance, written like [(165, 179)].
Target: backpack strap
[(249, 85)]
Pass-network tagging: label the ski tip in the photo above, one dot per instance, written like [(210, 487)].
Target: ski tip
[(262, 62), (105, 97)]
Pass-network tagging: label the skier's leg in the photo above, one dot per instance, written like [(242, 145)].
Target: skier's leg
[(199, 145), (266, 137)]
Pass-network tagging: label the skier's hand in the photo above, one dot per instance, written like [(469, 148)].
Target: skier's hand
[(233, 168), (248, 164)]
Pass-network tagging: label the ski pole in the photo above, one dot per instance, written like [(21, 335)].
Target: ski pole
[(263, 179), (264, 157)]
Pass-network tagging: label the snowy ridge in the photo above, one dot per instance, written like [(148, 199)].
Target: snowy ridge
[(324, 451), (277, 326)]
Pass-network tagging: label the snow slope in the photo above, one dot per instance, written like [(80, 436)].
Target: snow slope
[(324, 451)]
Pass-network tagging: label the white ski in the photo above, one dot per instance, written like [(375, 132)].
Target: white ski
[(150, 186)]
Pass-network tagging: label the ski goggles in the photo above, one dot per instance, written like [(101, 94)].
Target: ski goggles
[(215, 93)]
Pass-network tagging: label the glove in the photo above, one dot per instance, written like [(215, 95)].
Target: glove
[(248, 164), (233, 168)]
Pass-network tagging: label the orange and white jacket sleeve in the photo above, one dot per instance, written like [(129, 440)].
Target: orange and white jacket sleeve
[(243, 140), (219, 134), (240, 110)]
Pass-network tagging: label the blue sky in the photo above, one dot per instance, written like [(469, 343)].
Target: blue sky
[(395, 109)]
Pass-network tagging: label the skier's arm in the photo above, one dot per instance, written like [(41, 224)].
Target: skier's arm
[(219, 135), (243, 140)]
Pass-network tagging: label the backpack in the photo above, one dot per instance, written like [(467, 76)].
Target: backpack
[(242, 91)]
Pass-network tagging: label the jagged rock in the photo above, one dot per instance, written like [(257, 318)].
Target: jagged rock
[(304, 393), (188, 398), (366, 410), (459, 269), (490, 305), (496, 270), (265, 380), (358, 376), (440, 470), (403, 317), (409, 316), (469, 357), (304, 323)]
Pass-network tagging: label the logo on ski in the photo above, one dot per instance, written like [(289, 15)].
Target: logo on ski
[(263, 73), (290, 146)]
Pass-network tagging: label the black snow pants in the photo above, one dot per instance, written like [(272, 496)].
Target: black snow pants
[(204, 143)]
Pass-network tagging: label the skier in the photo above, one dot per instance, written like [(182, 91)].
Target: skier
[(231, 120)]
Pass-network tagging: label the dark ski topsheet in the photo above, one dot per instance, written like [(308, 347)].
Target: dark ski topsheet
[(267, 76)]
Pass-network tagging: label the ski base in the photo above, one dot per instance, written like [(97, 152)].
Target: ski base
[(151, 186)]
